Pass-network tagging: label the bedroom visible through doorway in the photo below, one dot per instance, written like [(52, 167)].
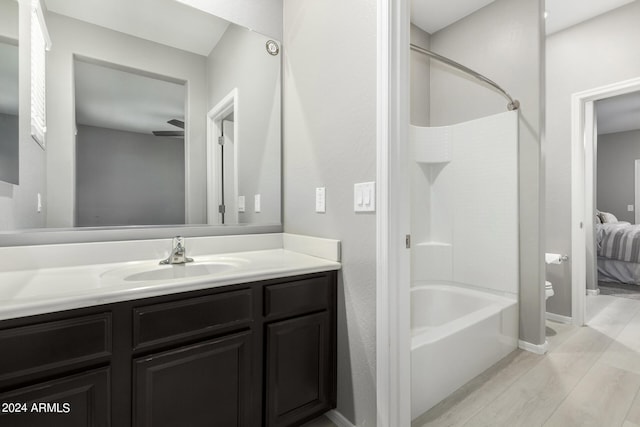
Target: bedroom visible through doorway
[(616, 196)]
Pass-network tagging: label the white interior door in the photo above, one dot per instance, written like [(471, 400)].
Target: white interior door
[(230, 174)]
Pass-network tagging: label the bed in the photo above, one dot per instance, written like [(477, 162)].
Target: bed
[(618, 248)]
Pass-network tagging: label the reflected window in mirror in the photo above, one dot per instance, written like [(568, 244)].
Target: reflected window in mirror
[(40, 43), (9, 142)]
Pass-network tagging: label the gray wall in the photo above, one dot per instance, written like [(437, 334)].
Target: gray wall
[(503, 41), (330, 141), (241, 61), (589, 55), (127, 178), (9, 149), (69, 37), (420, 78), (18, 203), (617, 154)]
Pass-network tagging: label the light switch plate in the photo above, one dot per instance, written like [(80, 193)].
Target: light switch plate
[(241, 204), (629, 208), (256, 203), (321, 205), (364, 197)]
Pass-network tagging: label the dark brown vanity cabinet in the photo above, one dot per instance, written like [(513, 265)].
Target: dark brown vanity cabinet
[(300, 350), (250, 355)]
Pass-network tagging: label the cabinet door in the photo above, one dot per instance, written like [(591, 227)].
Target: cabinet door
[(205, 384), (74, 401), (299, 371)]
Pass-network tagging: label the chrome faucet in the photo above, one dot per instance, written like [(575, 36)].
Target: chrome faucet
[(178, 253)]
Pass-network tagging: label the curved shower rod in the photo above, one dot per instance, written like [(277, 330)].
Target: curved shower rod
[(513, 104)]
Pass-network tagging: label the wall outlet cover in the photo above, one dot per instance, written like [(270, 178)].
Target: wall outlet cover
[(321, 205)]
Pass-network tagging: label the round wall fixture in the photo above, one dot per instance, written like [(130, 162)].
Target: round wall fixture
[(272, 48)]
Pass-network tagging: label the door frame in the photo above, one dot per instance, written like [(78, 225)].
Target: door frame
[(636, 193), (221, 110), (582, 170), (393, 336)]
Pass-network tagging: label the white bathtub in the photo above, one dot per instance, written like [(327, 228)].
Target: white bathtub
[(457, 333)]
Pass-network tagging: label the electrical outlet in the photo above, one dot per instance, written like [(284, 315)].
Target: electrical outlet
[(629, 208)]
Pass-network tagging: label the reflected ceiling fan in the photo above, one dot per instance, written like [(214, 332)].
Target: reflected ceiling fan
[(172, 133)]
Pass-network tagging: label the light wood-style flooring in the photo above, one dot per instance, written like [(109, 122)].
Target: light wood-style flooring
[(589, 377)]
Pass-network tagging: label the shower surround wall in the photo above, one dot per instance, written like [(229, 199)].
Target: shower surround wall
[(465, 203)]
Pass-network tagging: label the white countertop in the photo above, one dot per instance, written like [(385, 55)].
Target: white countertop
[(43, 290)]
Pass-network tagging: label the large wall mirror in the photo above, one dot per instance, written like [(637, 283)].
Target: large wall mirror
[(136, 135), (9, 143)]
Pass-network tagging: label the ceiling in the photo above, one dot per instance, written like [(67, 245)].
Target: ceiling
[(619, 113), (163, 21), (116, 99), (563, 14), (434, 15)]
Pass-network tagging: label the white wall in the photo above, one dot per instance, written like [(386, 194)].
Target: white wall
[(503, 41), (18, 203), (240, 61), (69, 37), (595, 53), (330, 141), (128, 178)]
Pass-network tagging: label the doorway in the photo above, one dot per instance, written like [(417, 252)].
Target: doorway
[(223, 203), (584, 159)]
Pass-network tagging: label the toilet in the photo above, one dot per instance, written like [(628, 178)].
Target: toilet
[(552, 259), (548, 289)]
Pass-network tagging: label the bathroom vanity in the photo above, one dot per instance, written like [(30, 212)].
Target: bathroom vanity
[(251, 353)]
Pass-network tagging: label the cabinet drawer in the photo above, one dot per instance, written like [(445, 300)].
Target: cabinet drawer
[(75, 401), (300, 296), (52, 346), (178, 320)]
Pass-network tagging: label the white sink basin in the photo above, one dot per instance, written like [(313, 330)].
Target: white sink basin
[(180, 271), (150, 271)]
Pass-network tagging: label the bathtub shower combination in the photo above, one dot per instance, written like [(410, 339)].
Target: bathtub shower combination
[(464, 257)]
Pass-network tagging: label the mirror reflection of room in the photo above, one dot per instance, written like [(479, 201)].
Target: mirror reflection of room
[(9, 143), (208, 59), (130, 167)]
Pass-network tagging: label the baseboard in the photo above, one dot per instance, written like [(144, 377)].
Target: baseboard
[(533, 348), (338, 419), (593, 291), (568, 320)]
